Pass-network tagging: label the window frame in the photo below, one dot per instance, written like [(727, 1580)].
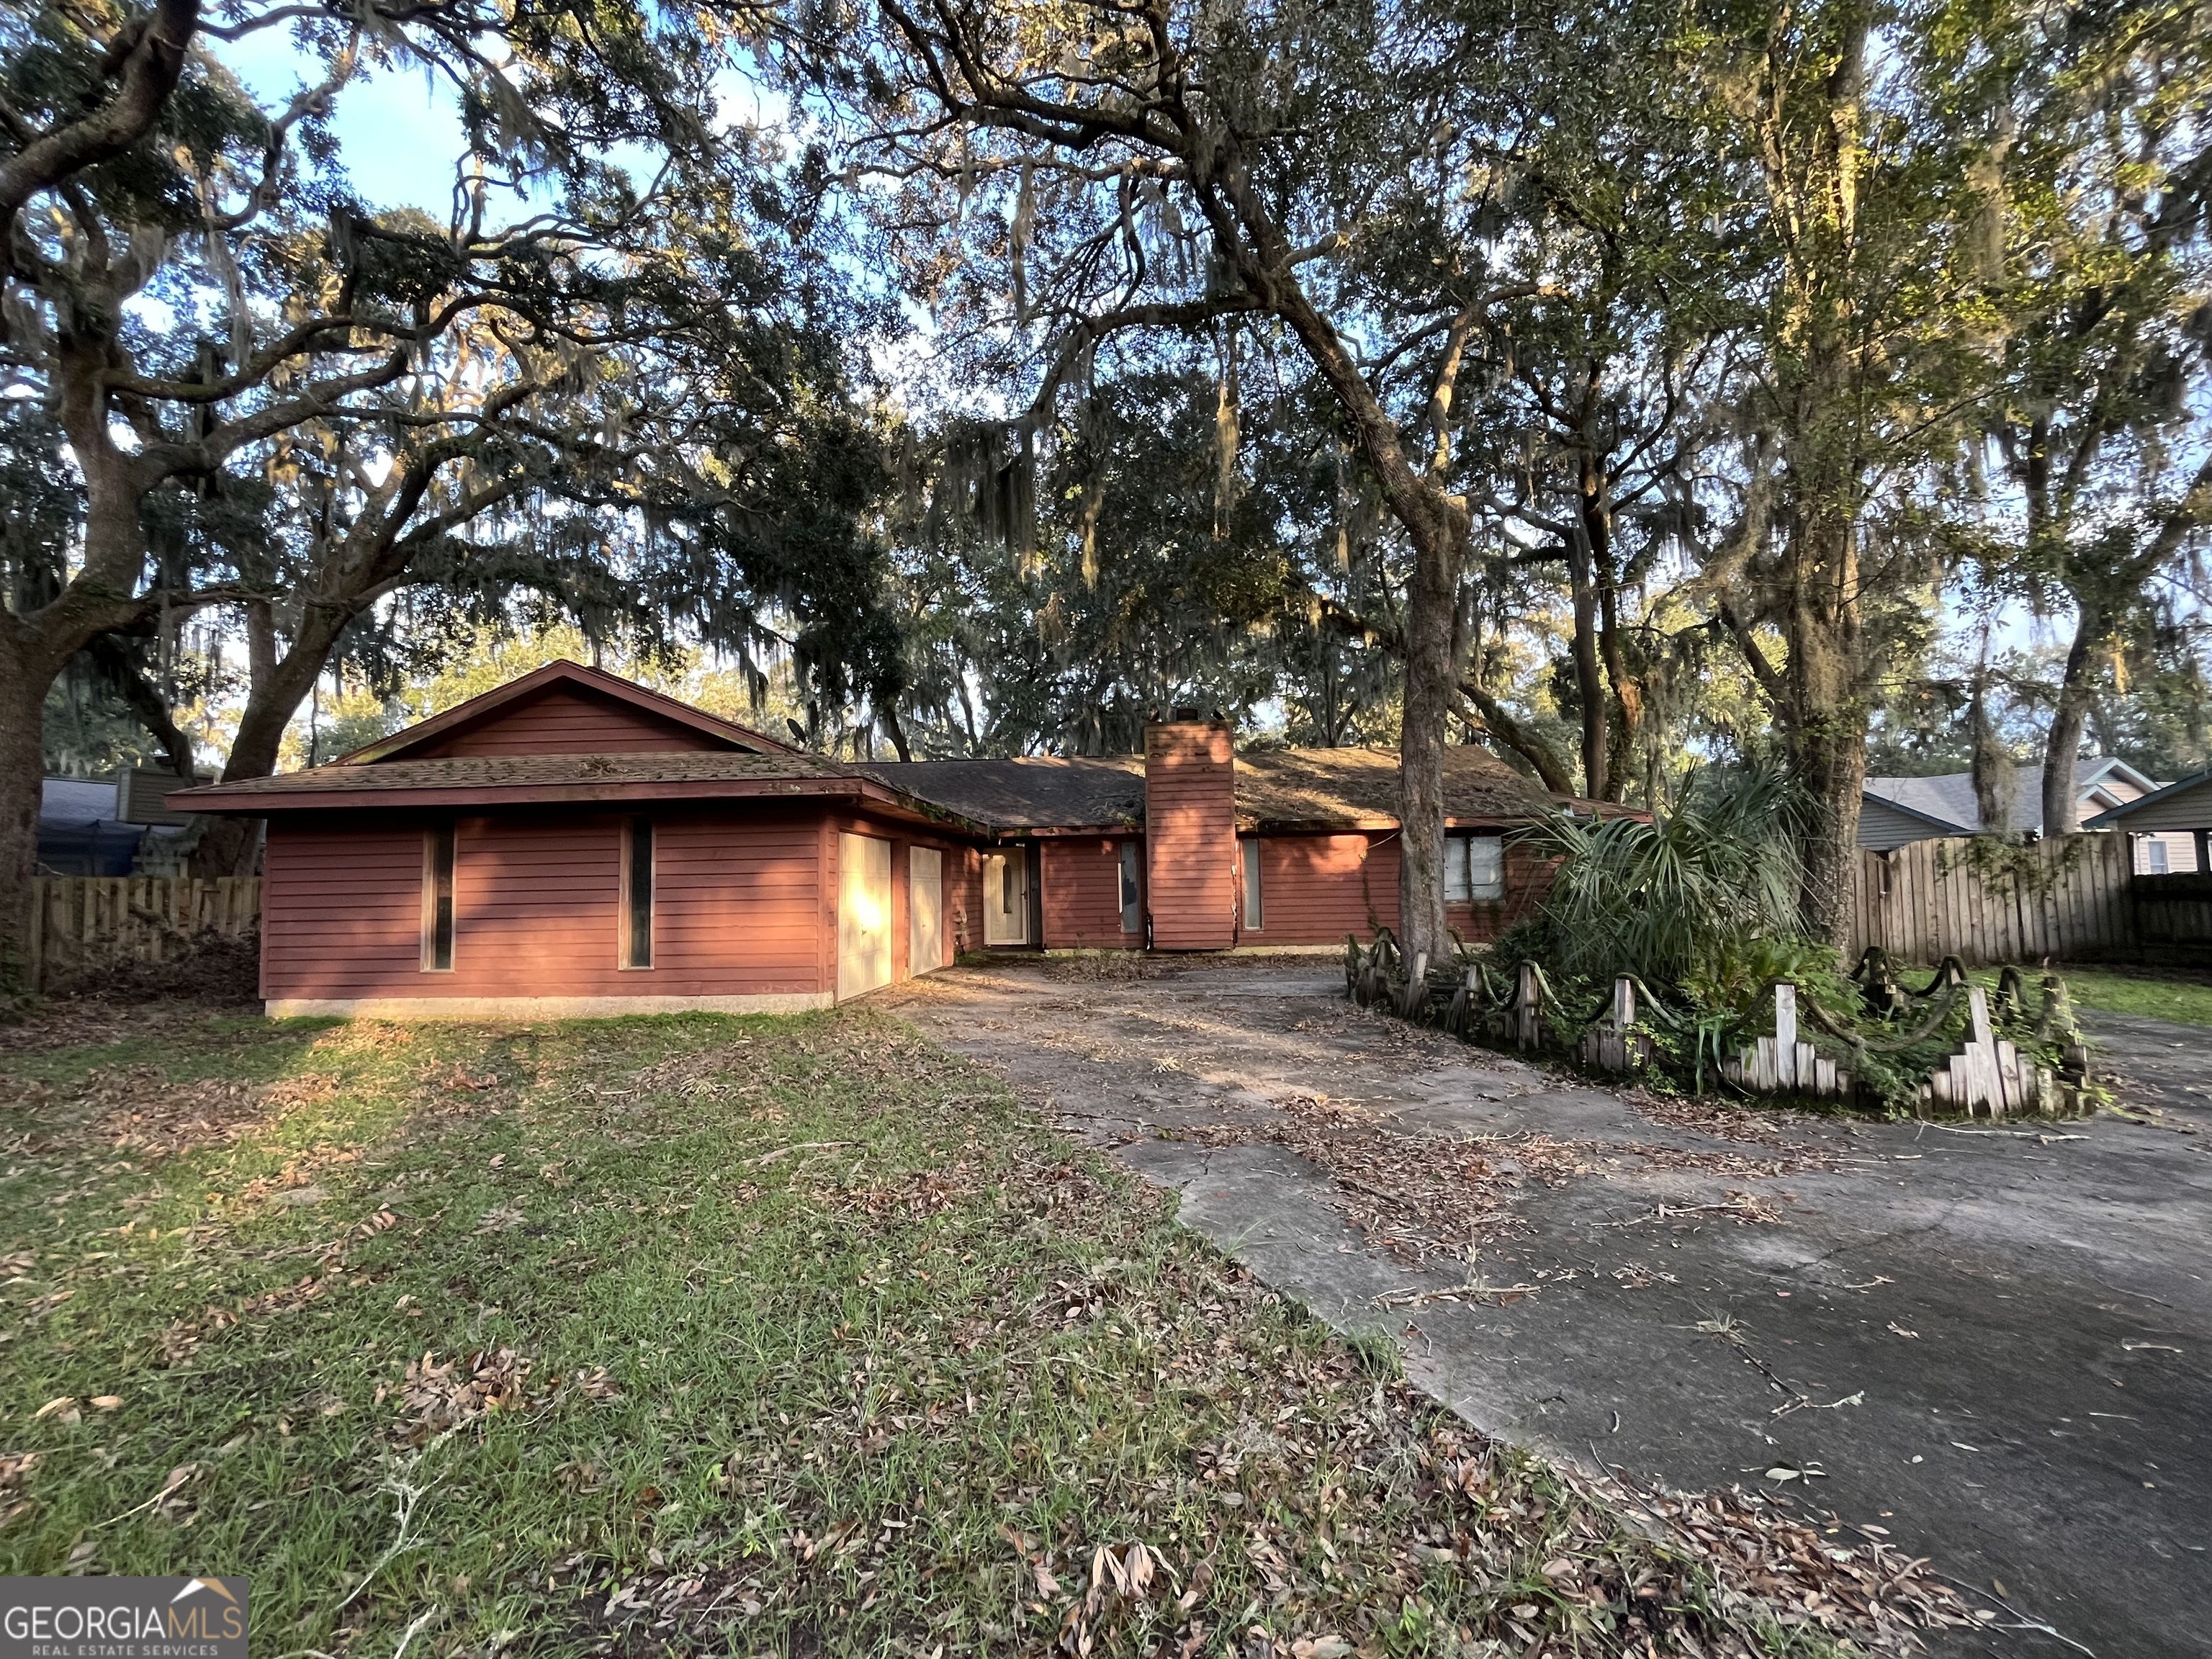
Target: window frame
[(441, 882), (1130, 861), (1251, 886), (635, 830), (1458, 870)]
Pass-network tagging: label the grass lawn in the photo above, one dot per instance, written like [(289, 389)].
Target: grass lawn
[(2190, 1003), (2186, 1002), (709, 1334)]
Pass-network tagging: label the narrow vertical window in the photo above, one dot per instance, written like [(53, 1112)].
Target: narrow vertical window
[(1133, 910), (1455, 882), (438, 900), (1256, 919), (637, 894), (1485, 867)]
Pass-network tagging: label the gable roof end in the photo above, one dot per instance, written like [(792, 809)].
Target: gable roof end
[(574, 675), (2109, 819)]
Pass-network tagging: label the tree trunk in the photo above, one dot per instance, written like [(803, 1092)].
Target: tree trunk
[(1589, 683), (894, 730), (1827, 714), (229, 846), (23, 683), (1431, 689), (2062, 804), (1437, 528)]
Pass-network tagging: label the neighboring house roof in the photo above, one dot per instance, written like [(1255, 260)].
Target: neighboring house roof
[(77, 800), (77, 831), (2158, 804), (1104, 791), (451, 781), (1946, 803), (572, 675)]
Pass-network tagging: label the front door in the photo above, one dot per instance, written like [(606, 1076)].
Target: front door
[(925, 909), (1006, 898), (864, 915)]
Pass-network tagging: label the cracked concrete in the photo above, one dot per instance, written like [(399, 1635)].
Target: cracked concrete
[(1992, 1345)]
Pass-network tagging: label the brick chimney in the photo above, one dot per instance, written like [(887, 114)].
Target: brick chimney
[(1190, 833)]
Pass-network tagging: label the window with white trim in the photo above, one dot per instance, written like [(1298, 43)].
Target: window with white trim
[(1132, 909), (1256, 917), (1474, 869)]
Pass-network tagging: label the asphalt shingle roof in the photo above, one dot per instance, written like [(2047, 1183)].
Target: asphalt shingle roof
[(490, 771), (1276, 788), (1291, 788), (1950, 798), (1034, 791)]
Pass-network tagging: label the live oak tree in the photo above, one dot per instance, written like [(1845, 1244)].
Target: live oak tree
[(2097, 184), (1191, 548), (1604, 385), (1858, 374), (1174, 167), (569, 364)]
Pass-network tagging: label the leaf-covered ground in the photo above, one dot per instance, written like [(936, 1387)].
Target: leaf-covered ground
[(707, 1334)]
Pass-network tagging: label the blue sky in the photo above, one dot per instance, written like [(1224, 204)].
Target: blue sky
[(398, 138)]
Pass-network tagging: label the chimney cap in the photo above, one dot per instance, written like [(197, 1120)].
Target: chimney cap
[(1185, 713)]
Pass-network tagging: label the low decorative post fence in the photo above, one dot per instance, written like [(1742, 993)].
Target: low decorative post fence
[(1783, 1064), (1987, 1075), (1617, 1045)]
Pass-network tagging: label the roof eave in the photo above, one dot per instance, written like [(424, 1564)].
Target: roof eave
[(245, 801), (2108, 819), (1915, 812)]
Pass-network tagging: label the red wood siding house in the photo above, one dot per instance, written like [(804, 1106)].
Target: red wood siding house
[(573, 844)]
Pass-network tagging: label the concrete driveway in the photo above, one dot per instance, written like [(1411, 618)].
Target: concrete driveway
[(1991, 1344)]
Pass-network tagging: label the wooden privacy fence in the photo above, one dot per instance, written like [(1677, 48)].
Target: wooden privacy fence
[(80, 919), (2066, 897), (2173, 914)]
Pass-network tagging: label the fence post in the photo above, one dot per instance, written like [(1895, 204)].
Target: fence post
[(1785, 1034), (1528, 1008)]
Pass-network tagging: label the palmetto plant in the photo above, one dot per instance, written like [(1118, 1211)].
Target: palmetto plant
[(1671, 897)]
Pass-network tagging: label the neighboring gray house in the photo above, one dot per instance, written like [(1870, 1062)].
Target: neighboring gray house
[(1895, 811), (114, 827), (2178, 814)]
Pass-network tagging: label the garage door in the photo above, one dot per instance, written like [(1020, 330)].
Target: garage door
[(864, 915)]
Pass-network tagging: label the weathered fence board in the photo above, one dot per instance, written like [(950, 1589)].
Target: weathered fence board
[(2174, 914), (1926, 901), (75, 919)]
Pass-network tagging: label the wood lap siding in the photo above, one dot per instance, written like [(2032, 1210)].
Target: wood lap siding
[(560, 722), (537, 909), (964, 899), (1190, 838), (735, 906), (1082, 895), (1314, 889), (341, 911)]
